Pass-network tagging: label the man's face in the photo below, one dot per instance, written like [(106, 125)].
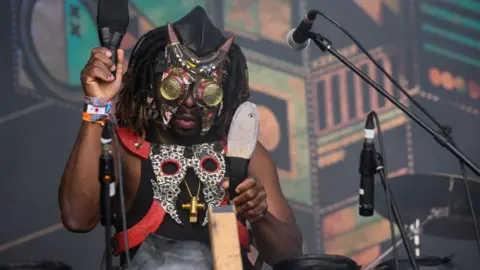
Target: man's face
[(189, 102), (186, 122), (189, 94)]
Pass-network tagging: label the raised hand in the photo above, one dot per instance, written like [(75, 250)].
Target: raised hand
[(97, 78)]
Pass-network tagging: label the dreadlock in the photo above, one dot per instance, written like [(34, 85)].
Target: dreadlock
[(140, 82)]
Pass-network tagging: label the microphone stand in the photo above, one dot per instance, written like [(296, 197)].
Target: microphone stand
[(396, 213), (107, 191), (326, 45)]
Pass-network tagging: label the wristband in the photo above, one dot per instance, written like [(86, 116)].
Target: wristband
[(96, 110), (92, 118)]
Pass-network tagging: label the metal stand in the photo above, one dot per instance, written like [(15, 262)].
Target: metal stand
[(107, 192), (396, 214), (414, 230), (325, 45)]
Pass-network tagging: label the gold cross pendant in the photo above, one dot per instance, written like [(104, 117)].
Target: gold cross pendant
[(193, 206)]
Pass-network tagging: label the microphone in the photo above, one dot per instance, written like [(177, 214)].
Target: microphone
[(297, 38), (112, 23), (367, 170), (106, 176)]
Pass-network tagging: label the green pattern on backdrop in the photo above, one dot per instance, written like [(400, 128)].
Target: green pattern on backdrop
[(78, 46)]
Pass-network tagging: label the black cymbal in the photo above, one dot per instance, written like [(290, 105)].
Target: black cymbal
[(417, 195)]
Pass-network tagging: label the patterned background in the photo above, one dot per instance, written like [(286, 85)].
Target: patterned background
[(312, 107)]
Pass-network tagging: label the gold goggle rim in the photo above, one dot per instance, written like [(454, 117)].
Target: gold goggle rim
[(212, 95), (170, 88)]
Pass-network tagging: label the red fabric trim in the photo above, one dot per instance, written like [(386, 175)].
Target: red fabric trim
[(243, 233), (225, 145), (137, 234), (129, 140)]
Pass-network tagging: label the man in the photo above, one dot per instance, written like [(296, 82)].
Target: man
[(182, 87)]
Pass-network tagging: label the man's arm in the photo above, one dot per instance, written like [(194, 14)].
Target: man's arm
[(79, 191), (276, 234)]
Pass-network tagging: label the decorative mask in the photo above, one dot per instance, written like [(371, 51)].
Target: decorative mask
[(184, 72)]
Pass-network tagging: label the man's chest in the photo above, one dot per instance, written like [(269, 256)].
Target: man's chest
[(170, 165)]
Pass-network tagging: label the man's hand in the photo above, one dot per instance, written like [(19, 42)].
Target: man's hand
[(251, 202), (97, 78)]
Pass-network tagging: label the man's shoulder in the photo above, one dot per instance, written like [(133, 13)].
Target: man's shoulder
[(133, 143)]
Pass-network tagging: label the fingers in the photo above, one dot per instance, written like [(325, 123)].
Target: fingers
[(245, 197), (250, 200), (97, 70), (104, 55), (99, 66), (102, 50), (256, 213), (246, 185), (104, 59), (120, 62)]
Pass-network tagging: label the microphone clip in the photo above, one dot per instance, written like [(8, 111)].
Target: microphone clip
[(379, 162), (322, 42)]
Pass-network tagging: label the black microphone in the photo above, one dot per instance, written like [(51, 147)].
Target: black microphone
[(297, 38), (367, 170), (112, 22), (106, 176)]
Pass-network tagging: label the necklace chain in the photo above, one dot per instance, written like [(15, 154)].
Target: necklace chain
[(188, 189), (162, 140)]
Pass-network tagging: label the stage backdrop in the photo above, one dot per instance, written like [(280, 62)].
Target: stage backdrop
[(312, 110)]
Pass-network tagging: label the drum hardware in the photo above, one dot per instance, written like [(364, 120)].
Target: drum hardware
[(445, 205), (415, 229), (414, 232)]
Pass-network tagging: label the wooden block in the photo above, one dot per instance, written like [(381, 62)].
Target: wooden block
[(224, 238)]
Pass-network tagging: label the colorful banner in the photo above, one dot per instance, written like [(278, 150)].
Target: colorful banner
[(449, 49), (312, 108)]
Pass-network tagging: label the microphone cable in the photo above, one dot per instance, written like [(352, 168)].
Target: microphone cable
[(383, 170), (121, 194), (445, 130)]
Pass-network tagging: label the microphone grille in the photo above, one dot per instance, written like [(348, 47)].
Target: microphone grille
[(113, 14), (292, 44)]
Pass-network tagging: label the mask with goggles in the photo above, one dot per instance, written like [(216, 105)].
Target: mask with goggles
[(184, 74)]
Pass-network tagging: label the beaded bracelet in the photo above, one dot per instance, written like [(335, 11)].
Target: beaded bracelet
[(96, 110)]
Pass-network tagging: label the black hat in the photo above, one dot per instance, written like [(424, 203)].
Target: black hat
[(198, 33)]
